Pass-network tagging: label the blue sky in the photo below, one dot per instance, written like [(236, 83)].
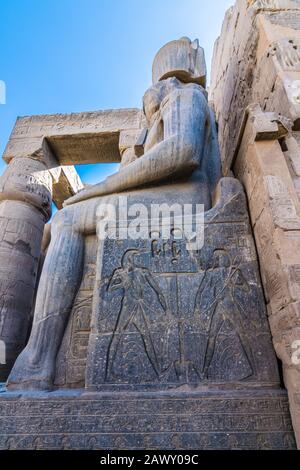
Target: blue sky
[(61, 56)]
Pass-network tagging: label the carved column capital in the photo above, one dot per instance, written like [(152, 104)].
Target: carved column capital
[(27, 180)]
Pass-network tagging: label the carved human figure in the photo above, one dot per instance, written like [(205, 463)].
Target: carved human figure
[(91, 443), (216, 302), (180, 155), (135, 310)]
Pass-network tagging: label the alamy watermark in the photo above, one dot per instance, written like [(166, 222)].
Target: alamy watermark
[(2, 92), (122, 221)]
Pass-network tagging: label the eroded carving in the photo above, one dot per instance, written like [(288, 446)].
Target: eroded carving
[(180, 317)]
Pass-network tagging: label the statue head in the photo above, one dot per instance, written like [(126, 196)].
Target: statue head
[(153, 97), (128, 258), (182, 59), (221, 259)]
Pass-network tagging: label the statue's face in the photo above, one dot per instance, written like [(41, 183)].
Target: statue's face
[(154, 96), (152, 100)]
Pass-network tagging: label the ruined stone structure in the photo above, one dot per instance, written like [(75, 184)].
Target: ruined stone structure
[(255, 92), (152, 343)]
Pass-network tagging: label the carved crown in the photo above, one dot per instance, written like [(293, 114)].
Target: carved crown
[(182, 59)]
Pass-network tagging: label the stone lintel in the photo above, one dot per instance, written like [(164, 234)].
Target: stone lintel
[(77, 138)]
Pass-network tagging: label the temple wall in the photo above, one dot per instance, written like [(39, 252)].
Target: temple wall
[(255, 91)]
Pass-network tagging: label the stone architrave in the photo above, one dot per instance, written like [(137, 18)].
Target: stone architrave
[(77, 138)]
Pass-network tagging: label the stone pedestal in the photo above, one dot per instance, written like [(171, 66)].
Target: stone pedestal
[(187, 419)]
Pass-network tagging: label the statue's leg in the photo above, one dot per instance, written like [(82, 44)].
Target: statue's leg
[(244, 340), (61, 275), (213, 333), (142, 327)]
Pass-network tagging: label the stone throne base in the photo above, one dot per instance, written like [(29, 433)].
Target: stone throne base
[(179, 354), (199, 419)]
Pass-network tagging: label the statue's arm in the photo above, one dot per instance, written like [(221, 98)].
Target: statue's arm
[(201, 289), (184, 115), (152, 282)]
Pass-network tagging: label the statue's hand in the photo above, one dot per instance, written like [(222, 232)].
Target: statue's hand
[(96, 190)]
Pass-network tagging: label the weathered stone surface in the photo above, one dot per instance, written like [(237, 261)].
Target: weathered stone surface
[(27, 180), (27, 189), (174, 149), (204, 317), (153, 314), (182, 59), (131, 146), (25, 206), (274, 209), (66, 183), (74, 138), (72, 355), (190, 144), (172, 420), (256, 59)]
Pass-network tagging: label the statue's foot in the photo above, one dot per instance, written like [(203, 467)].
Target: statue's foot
[(26, 385), (26, 375)]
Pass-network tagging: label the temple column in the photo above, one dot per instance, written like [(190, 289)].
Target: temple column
[(25, 207)]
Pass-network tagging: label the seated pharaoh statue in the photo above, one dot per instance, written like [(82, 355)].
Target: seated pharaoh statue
[(180, 160), (162, 316)]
